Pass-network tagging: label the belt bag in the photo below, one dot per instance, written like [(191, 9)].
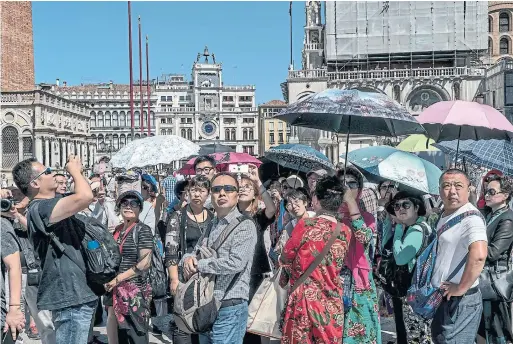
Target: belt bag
[(496, 284)]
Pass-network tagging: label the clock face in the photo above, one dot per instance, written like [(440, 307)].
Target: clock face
[(209, 128)]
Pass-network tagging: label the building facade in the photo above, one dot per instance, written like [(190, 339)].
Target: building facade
[(109, 111), (500, 31), (42, 125), (273, 132), (349, 57), (205, 110)]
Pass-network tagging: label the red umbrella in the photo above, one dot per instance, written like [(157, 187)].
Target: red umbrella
[(223, 161)]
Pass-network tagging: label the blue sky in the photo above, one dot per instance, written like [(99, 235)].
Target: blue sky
[(87, 42)]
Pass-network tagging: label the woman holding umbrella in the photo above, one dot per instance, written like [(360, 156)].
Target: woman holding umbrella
[(361, 323)]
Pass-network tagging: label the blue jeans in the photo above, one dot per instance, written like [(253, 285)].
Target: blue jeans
[(72, 324), (230, 326)]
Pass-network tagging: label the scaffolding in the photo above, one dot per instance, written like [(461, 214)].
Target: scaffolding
[(405, 35)]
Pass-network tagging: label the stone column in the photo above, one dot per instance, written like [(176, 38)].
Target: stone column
[(39, 148), (53, 157), (336, 154), (64, 145), (47, 152)]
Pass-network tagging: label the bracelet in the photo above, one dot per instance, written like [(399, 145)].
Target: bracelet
[(15, 304), (355, 214)]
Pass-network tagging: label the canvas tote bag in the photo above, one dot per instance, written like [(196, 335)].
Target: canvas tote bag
[(264, 311)]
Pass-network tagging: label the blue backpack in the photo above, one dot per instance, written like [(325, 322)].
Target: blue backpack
[(423, 298)]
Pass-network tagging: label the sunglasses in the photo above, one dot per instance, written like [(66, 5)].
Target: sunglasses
[(146, 187), (132, 203), (46, 172), (352, 185), (227, 188), (492, 192), (387, 186), (405, 205)]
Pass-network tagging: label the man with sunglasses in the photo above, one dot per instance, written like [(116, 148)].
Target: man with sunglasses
[(233, 262), (63, 287), (460, 254)]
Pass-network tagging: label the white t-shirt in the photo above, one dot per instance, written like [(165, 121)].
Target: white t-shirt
[(453, 245)]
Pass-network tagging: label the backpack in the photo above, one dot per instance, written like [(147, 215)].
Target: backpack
[(98, 247), (157, 275), (422, 296), (396, 279), (195, 308)]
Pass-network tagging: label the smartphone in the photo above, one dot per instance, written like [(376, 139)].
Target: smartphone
[(239, 168)]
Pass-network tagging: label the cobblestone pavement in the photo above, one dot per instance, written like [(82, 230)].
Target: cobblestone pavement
[(388, 333)]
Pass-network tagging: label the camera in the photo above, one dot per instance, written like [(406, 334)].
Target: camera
[(6, 204)]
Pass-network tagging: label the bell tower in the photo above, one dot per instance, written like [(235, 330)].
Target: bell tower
[(313, 43), (17, 47)]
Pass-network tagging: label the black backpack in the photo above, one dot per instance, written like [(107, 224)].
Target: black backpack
[(396, 279), (157, 273), (102, 262)]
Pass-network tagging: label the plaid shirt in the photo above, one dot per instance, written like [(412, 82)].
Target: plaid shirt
[(169, 184), (234, 256)]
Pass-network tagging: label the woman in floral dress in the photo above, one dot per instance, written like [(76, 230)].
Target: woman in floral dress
[(362, 320), (314, 311)]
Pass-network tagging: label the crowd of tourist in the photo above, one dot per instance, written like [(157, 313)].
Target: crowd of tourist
[(346, 252)]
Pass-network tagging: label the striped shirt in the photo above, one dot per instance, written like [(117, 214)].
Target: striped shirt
[(234, 257)]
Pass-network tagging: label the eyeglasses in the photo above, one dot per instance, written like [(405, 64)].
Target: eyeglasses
[(387, 186), (246, 187), (145, 187), (492, 192), (204, 169), (352, 184), (227, 188), (198, 190), (46, 172), (132, 203), (405, 205)]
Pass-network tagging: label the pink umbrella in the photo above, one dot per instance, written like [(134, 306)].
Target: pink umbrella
[(223, 161), (452, 120), (462, 120)]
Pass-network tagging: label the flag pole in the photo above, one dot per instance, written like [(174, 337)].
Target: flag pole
[(140, 78), (131, 70), (291, 54), (148, 89)]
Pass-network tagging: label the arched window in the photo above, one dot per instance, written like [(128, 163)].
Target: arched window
[(137, 119), (490, 46), (189, 134), (245, 134), (170, 131), (504, 46), (115, 122), (107, 119), (397, 93), (10, 147), (99, 119), (129, 138), (92, 122), (27, 148), (490, 24), (115, 141), (137, 136), (122, 119), (504, 22), (145, 119), (183, 133), (250, 134), (99, 142), (456, 90), (162, 131), (227, 134), (122, 141), (234, 135), (152, 118)]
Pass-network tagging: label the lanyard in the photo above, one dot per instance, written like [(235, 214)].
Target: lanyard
[(118, 233)]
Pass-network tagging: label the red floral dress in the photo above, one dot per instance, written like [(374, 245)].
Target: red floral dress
[(314, 312)]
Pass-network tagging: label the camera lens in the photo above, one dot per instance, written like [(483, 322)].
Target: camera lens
[(5, 205)]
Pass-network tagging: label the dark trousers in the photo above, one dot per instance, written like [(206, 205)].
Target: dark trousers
[(180, 337), (400, 327), (131, 336), (7, 337), (456, 321)]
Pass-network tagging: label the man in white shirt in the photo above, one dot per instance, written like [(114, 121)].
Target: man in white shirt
[(457, 319)]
